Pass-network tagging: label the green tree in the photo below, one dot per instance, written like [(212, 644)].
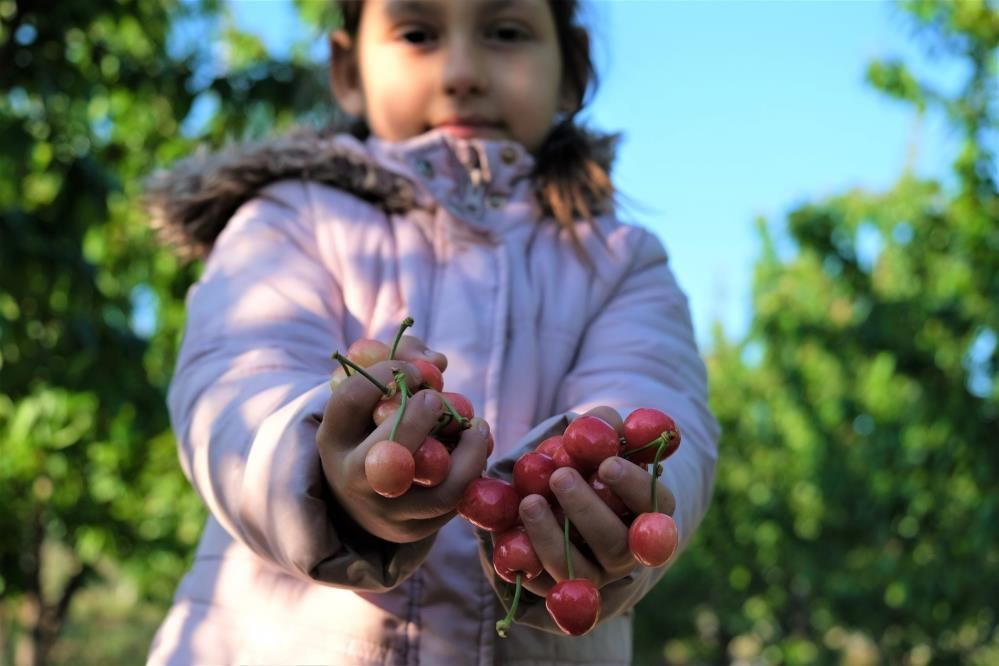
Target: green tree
[(94, 97), (855, 518)]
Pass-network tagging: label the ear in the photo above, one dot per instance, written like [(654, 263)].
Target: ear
[(345, 78)]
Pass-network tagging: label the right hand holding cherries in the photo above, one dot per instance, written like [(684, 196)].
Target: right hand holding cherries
[(396, 450)]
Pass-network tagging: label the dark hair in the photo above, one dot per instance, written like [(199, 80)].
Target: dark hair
[(571, 174)]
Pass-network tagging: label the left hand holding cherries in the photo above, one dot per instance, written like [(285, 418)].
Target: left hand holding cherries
[(589, 514)]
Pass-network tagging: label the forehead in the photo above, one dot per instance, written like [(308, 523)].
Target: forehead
[(406, 7)]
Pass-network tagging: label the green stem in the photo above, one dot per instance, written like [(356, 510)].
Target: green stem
[(452, 415), (400, 381), (504, 624), (654, 443), (565, 543), (655, 476), (406, 323), (346, 368), (346, 361)]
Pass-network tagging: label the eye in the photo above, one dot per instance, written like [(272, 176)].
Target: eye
[(508, 33), (416, 35)]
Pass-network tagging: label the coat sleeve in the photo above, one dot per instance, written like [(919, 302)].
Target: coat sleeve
[(638, 351), (249, 390)]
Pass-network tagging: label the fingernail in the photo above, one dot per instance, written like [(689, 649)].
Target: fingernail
[(611, 470), (482, 427), (431, 401), (562, 479), (533, 508)]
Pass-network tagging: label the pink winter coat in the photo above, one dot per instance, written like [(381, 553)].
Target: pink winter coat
[(448, 232)]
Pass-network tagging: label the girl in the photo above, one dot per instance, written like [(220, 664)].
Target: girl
[(466, 197)]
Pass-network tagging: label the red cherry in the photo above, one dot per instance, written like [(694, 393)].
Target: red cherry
[(490, 504), (590, 441), (574, 605), (514, 554), (462, 406), (652, 538), (432, 463), (366, 352), (389, 468), (531, 473), (431, 374), (562, 458), (609, 497), (642, 427), (550, 445)]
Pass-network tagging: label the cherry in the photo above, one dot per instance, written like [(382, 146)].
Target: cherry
[(609, 497), (490, 504), (432, 376), (386, 408), (652, 538), (515, 561), (562, 458), (366, 352), (432, 463), (590, 441), (531, 473), (461, 405), (389, 468), (550, 445), (514, 554), (574, 605), (644, 430)]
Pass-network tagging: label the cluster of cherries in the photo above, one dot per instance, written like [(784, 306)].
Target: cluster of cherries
[(390, 467), (648, 437)]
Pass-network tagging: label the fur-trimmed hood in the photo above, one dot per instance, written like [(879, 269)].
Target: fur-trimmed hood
[(191, 203)]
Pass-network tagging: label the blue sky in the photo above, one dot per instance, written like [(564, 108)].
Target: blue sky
[(732, 110)]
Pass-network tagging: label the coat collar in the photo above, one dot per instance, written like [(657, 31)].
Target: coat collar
[(192, 202)]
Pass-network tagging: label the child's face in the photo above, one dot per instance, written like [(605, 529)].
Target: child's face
[(475, 68)]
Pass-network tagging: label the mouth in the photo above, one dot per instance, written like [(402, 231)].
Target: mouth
[(468, 127)]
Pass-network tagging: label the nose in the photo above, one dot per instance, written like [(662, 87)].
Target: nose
[(463, 72)]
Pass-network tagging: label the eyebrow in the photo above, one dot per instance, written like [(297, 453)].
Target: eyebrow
[(410, 7)]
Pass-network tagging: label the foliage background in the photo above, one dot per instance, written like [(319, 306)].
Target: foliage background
[(852, 520)]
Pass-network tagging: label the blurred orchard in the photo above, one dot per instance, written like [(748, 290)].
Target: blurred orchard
[(855, 517)]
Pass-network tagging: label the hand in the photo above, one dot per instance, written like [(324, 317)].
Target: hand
[(345, 436), (604, 532)]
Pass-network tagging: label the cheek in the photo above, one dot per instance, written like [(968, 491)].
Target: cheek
[(395, 107)]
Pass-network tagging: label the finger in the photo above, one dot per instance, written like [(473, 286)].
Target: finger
[(633, 484), (610, 415), (540, 585), (468, 460), (411, 348), (418, 417), (548, 539), (600, 527), (347, 417)]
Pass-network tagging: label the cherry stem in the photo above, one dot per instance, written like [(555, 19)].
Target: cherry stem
[(504, 624), (666, 437), (346, 361), (400, 381), (656, 470), (406, 323), (453, 414), (346, 368), (565, 543)]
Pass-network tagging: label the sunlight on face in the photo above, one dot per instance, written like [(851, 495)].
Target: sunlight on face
[(476, 68)]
